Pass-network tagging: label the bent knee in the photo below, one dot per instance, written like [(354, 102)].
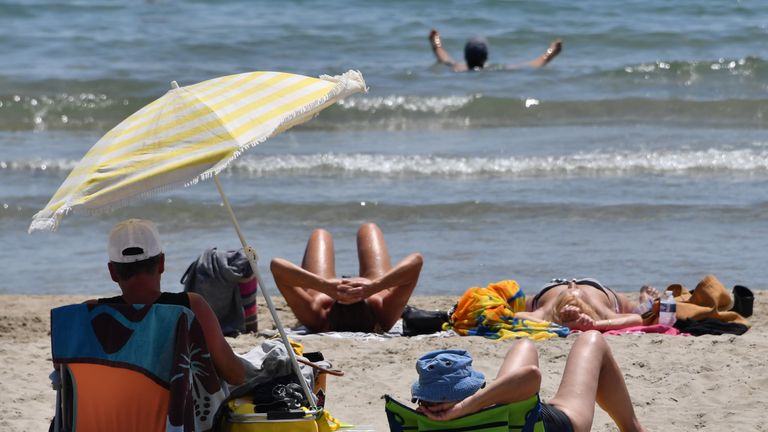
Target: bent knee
[(277, 264), (592, 337), (367, 229), (523, 343), (320, 233)]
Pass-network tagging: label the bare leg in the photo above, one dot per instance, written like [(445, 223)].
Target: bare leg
[(592, 375), (522, 353), (309, 305), (372, 252), (319, 256), (387, 305)]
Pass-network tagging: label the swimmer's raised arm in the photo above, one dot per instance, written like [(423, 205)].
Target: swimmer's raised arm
[(441, 54), (554, 49)]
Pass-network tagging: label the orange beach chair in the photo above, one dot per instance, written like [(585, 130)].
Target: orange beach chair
[(132, 368)]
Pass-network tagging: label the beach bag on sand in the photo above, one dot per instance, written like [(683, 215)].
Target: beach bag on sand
[(743, 300), (417, 321), (280, 405)]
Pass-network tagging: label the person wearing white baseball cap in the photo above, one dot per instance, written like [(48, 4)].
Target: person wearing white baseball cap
[(136, 264)]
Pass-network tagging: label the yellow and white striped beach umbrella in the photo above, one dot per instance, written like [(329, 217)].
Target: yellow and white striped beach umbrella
[(189, 134), (192, 133)]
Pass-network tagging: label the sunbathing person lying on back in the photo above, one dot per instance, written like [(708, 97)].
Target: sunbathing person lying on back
[(448, 387), (371, 302), (586, 304)]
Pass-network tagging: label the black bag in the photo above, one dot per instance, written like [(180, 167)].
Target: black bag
[(743, 300), (280, 394), (417, 321)]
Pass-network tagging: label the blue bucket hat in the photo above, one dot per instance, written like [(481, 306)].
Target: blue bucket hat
[(446, 375)]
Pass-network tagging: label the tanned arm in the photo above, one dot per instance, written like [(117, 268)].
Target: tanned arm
[(518, 385), (228, 365), (441, 54), (552, 52), (405, 272)]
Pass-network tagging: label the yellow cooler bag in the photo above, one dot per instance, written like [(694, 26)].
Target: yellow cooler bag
[(241, 418)]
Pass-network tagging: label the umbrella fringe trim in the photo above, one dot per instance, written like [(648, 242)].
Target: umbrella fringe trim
[(46, 224), (52, 222)]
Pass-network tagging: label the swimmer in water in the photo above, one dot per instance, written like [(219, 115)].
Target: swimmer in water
[(476, 55)]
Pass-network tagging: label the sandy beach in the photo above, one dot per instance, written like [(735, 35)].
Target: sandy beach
[(707, 383)]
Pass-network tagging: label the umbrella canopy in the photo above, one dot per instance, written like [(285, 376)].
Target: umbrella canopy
[(189, 134)]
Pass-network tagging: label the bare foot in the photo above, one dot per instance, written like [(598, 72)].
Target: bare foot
[(648, 295), (648, 292)]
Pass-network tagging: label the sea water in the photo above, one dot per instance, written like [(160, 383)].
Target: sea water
[(638, 156)]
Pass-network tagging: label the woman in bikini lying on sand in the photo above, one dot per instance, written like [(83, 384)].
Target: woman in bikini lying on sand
[(586, 304)]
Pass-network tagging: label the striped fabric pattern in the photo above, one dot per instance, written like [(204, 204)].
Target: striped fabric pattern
[(190, 134)]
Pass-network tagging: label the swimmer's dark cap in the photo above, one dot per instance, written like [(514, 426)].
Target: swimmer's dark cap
[(476, 53)]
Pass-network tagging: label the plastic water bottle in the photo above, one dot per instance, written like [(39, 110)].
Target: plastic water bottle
[(667, 310)]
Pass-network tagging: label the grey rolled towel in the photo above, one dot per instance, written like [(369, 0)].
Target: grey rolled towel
[(215, 275)]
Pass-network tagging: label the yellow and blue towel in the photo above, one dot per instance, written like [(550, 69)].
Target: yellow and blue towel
[(490, 312)]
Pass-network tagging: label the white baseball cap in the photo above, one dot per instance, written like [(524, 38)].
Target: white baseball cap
[(133, 240)]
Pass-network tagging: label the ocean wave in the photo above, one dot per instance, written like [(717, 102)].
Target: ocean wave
[(403, 113), (720, 93), (192, 214), (92, 111), (685, 71), (745, 161), (753, 161)]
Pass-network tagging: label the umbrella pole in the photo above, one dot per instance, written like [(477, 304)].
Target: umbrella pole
[(252, 259)]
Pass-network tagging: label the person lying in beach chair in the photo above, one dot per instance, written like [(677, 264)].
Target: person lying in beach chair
[(586, 304), (449, 391), (476, 55), (372, 302)]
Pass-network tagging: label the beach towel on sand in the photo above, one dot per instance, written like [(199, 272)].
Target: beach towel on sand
[(654, 328), (490, 312), (145, 366)]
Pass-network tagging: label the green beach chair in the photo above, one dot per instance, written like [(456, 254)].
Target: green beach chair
[(520, 416)]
